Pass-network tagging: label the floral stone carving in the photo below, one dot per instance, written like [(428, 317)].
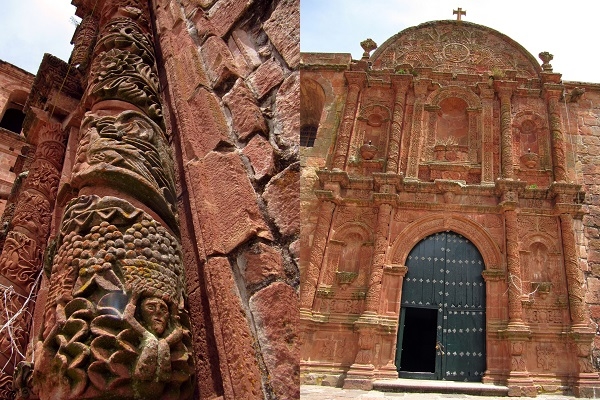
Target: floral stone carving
[(115, 320)]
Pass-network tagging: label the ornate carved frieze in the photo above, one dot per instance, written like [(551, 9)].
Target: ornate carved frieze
[(115, 318), (457, 48)]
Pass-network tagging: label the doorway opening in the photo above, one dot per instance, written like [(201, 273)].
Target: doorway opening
[(419, 340)]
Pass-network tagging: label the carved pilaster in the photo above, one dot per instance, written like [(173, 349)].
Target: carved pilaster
[(575, 280), (400, 84), (513, 264), (381, 243), (21, 257), (487, 145), (115, 318), (311, 278), (83, 44), (421, 88), (505, 90), (356, 81), (559, 161)]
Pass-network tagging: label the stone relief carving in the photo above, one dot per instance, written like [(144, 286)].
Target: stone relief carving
[(444, 46), (115, 318), (130, 151)]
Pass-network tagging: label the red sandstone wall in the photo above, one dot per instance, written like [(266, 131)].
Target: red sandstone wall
[(584, 121), (231, 86)]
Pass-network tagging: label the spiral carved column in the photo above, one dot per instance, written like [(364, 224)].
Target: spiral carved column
[(559, 161), (311, 278), (356, 81), (21, 258), (505, 90), (115, 320), (401, 84)]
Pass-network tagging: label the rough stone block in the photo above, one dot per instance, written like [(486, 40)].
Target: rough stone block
[(260, 154), (239, 367), (265, 78), (226, 202), (283, 28), (283, 201), (247, 117), (225, 13), (287, 112), (203, 124), (275, 312), (247, 48), (261, 262), (219, 61)]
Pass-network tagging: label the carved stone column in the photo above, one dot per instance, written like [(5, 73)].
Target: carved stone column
[(400, 84), (513, 265), (356, 80), (21, 258), (559, 162), (115, 319), (505, 90), (320, 236), (421, 87), (575, 280), (487, 145), (381, 243), (517, 332)]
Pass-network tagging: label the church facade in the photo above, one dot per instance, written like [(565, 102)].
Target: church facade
[(450, 215)]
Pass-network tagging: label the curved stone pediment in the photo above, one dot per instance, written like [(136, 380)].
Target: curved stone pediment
[(457, 47)]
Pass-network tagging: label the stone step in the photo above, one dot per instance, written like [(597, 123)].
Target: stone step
[(433, 386)]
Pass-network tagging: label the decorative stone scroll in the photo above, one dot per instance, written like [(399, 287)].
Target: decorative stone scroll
[(115, 317)]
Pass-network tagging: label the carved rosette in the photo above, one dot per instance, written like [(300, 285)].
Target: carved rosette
[(112, 257)]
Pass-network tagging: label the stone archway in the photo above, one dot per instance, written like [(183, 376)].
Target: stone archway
[(493, 273)]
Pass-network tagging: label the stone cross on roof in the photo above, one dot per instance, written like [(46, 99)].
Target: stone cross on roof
[(459, 13)]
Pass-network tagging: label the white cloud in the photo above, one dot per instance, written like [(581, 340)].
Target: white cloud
[(30, 28)]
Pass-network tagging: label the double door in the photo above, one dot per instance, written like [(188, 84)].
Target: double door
[(441, 334)]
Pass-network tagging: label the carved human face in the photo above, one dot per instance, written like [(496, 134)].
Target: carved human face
[(155, 314)]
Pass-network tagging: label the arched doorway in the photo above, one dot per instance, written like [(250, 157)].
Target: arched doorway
[(441, 334)]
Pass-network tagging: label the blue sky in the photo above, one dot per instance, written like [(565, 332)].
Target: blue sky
[(568, 30), (30, 28)]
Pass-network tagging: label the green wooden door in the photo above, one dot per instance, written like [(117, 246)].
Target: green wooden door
[(442, 323)]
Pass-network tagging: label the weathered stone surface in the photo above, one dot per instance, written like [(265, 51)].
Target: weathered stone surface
[(265, 78), (260, 154), (240, 371), (226, 221), (283, 29), (219, 61), (225, 13), (204, 124), (275, 312), (247, 117), (261, 262), (283, 203), (287, 112), (246, 47)]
